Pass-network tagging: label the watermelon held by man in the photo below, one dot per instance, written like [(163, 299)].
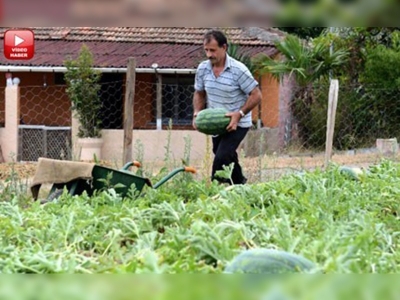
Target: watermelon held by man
[(212, 121)]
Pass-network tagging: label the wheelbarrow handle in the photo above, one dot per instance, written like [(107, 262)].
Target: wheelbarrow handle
[(130, 164), (172, 174)]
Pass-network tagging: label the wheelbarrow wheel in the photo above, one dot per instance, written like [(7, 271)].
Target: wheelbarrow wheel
[(53, 196)]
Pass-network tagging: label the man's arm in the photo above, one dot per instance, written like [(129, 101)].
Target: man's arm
[(199, 103), (252, 101)]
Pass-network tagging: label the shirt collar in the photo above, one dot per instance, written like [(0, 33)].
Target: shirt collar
[(228, 62)]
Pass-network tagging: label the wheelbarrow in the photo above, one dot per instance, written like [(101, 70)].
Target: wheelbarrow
[(122, 181)]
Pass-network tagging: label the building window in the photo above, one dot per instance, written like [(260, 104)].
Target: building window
[(177, 99), (59, 79)]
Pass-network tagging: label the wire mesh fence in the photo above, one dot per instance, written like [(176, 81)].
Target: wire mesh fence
[(45, 121), (288, 134), (49, 106), (165, 105), (112, 98), (365, 114), (37, 141)]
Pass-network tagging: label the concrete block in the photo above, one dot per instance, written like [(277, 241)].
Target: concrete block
[(387, 146)]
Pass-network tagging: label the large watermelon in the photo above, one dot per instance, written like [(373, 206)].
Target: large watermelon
[(268, 261), (212, 121), (352, 172)]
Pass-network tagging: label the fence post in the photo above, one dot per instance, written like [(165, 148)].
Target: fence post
[(330, 128), (12, 115), (128, 109)]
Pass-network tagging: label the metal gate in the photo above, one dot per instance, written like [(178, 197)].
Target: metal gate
[(44, 141)]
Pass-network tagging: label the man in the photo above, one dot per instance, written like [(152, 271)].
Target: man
[(223, 82)]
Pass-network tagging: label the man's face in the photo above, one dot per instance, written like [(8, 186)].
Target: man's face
[(214, 52)]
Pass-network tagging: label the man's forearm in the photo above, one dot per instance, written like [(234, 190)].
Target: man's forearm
[(252, 101)]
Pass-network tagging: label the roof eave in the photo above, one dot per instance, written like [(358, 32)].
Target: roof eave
[(103, 70)]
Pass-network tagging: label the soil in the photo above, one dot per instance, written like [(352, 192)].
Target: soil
[(268, 167)]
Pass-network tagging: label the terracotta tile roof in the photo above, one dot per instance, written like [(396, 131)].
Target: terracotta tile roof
[(178, 35), (169, 47)]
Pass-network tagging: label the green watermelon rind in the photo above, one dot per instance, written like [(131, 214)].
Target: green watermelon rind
[(212, 121), (267, 261), (353, 172)]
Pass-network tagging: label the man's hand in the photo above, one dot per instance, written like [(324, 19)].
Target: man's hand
[(194, 119), (199, 102), (235, 118), (194, 123)]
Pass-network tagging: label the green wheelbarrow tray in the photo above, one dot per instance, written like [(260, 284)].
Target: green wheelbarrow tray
[(104, 177)]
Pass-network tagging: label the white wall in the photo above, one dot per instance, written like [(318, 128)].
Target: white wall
[(154, 144), (9, 134)]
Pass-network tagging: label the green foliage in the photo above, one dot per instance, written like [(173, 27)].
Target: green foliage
[(13, 188), (368, 85), (226, 173), (342, 225), (83, 90), (366, 62), (380, 82), (382, 68), (358, 41), (307, 62), (304, 32), (235, 52), (311, 64)]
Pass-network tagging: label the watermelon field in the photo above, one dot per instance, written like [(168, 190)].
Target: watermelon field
[(343, 224)]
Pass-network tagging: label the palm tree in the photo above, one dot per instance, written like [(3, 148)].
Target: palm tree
[(309, 63), (235, 52)]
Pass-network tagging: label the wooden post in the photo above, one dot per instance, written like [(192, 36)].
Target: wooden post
[(159, 102), (10, 135), (332, 105), (1, 156), (128, 109)]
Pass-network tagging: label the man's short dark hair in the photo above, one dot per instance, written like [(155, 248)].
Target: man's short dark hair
[(218, 36)]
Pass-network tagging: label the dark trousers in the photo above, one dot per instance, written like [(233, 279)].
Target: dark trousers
[(224, 148)]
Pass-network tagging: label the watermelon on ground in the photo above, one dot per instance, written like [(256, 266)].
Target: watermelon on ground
[(352, 172), (212, 121), (269, 261)]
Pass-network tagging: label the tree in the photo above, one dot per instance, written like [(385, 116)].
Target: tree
[(379, 83), (304, 32), (83, 90), (358, 41), (308, 63)]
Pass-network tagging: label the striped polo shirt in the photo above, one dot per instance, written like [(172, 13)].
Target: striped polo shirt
[(230, 90)]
